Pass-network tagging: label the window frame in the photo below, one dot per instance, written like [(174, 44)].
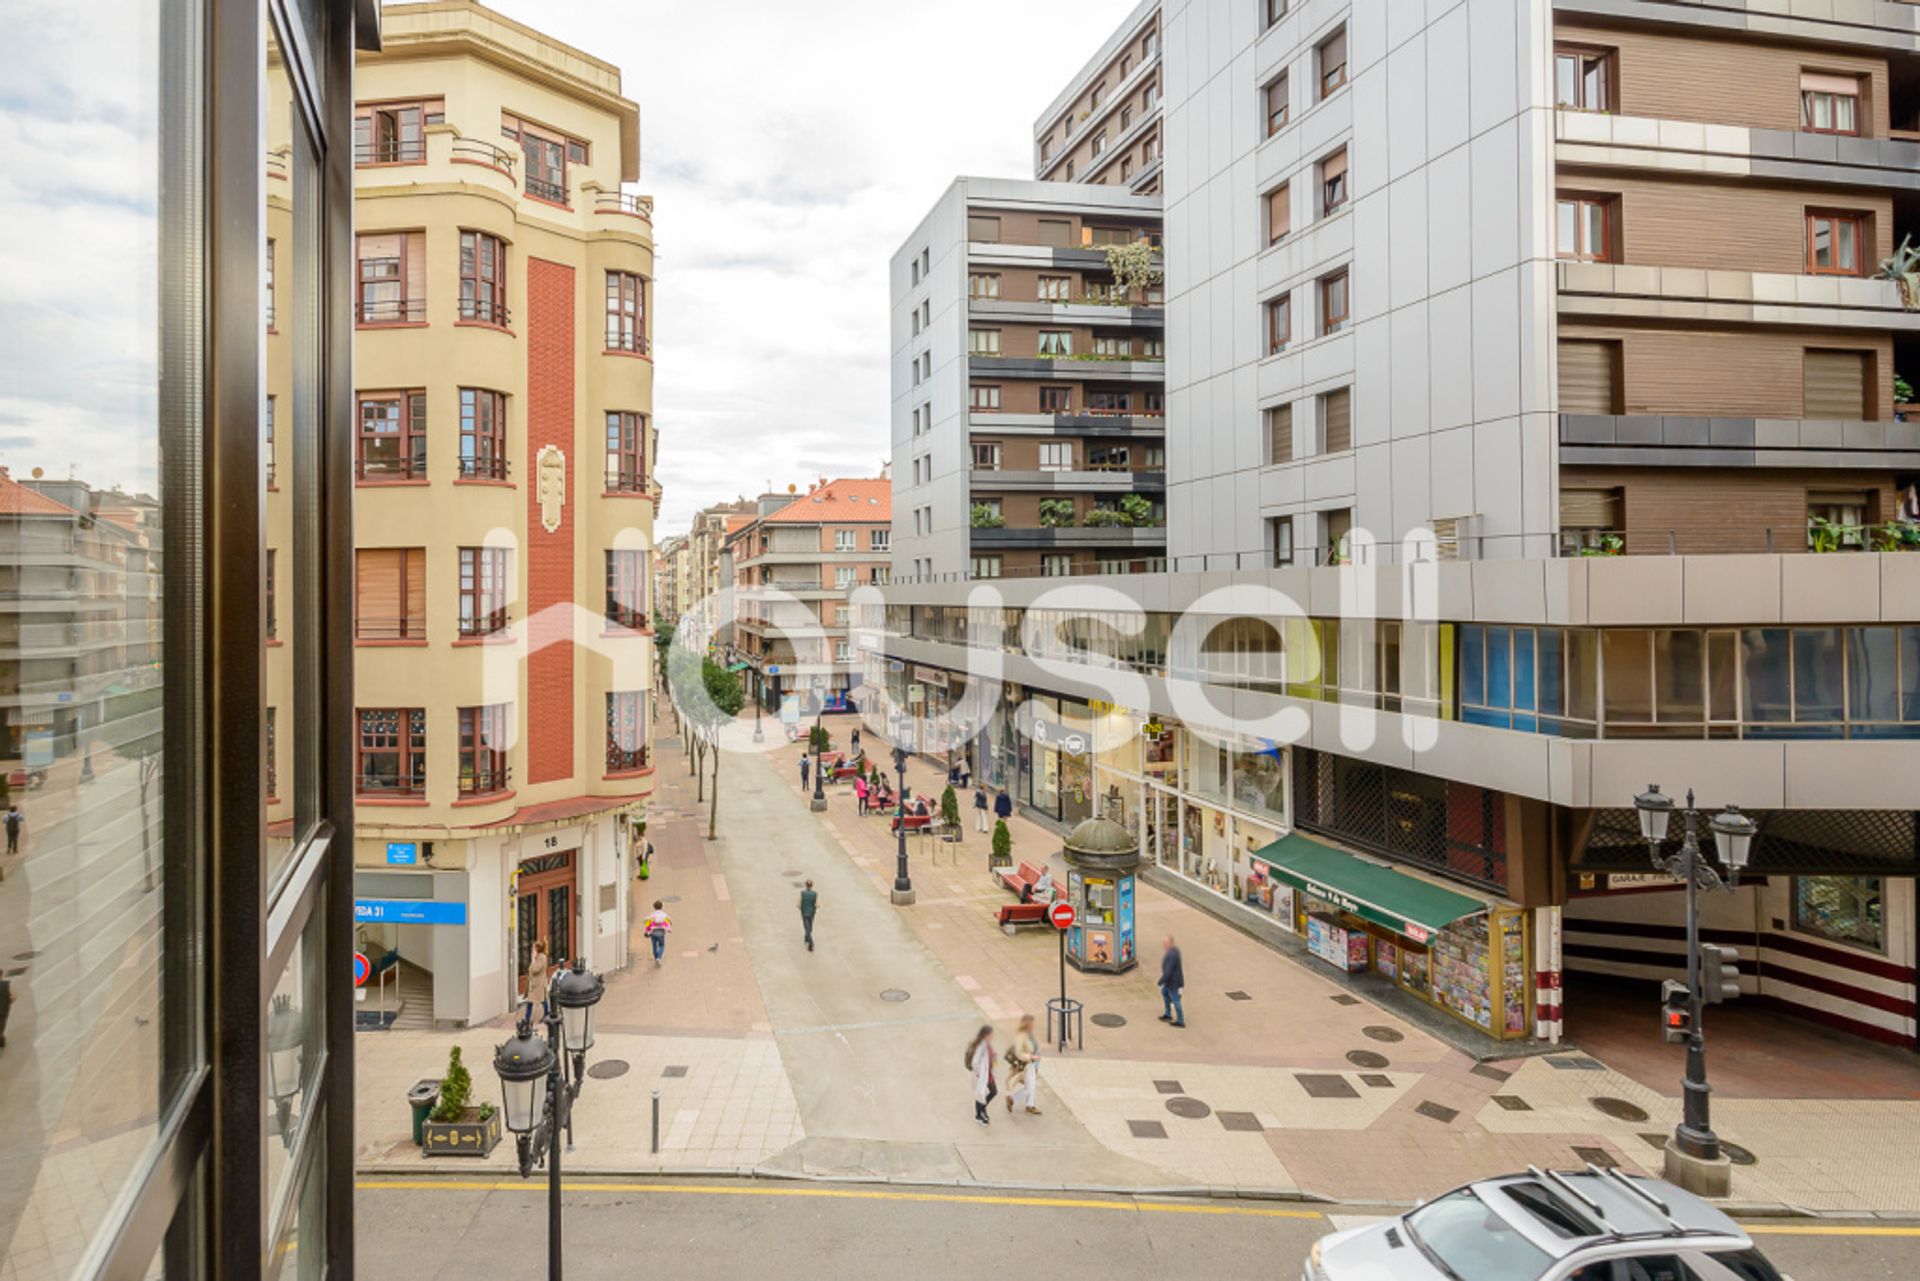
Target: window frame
[(409, 436), (979, 392), (1279, 200), (626, 313), (482, 592), (977, 279), (626, 711), (1609, 207), (483, 292), (1809, 98), (1331, 322), (1279, 314), (404, 150), (402, 310), (1860, 221), (1799, 925), (483, 434), (1279, 114), (408, 747), (626, 579), (541, 178), (1335, 190), (1332, 79), (483, 767), (1583, 56)]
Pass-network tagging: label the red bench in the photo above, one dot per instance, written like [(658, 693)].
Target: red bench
[(841, 771), (914, 822), (1020, 879)]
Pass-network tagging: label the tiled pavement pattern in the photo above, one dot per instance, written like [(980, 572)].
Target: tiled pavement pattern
[(800, 1070)]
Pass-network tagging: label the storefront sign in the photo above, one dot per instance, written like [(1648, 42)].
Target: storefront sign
[(1641, 880), (408, 911), (930, 676), (403, 853), (1048, 733)]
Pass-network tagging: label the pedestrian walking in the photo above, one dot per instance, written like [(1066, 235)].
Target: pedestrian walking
[(1023, 1056), (1003, 805), (806, 763), (6, 1008), (1172, 978), (15, 820), (537, 978), (860, 793), (854, 740), (980, 1063), (658, 926), (980, 808), (809, 904)]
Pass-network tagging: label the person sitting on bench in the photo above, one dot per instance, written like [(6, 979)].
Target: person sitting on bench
[(1042, 888)]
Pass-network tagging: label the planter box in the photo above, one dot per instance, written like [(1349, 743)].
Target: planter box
[(471, 1137)]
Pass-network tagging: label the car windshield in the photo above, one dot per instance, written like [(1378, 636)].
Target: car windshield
[(1474, 1243)]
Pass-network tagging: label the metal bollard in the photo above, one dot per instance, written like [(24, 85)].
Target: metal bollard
[(656, 1123)]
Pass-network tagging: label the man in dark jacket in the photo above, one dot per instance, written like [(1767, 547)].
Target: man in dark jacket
[(1003, 805), (1172, 979), (809, 903), (806, 763)]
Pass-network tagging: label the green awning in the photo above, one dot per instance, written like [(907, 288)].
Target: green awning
[(738, 667), (1368, 890)]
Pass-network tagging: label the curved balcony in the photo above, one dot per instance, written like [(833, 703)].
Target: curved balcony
[(624, 204)]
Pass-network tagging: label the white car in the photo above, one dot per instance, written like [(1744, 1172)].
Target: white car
[(1590, 1225)]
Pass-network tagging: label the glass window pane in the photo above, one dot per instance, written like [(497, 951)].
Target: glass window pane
[(1910, 673), (1595, 228), (1629, 677), (1499, 673), (102, 295), (1679, 680), (1550, 678), (1473, 670), (1569, 227), (296, 1039), (1845, 909), (1566, 80), (1723, 675), (1766, 696), (1583, 673), (1817, 682), (1873, 673)]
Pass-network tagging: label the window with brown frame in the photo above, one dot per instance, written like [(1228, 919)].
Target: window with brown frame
[(483, 591), (1280, 534), (483, 434), (483, 278), (1836, 243), (983, 284), (394, 133), (626, 732), (1280, 434), (626, 452), (390, 593), (626, 312), (1279, 213), (626, 588), (392, 440), (484, 735), (1584, 227), (392, 752), (1332, 54), (984, 398), (1279, 323), (1583, 78), (1276, 10), (1333, 302), (983, 229), (273, 757), (390, 281), (1277, 102), (1108, 404), (272, 404), (1056, 400), (1333, 182), (547, 153), (1054, 288), (1153, 403), (1336, 421), (267, 285), (273, 620), (1829, 103)]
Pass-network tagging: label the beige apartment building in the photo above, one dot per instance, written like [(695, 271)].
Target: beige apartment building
[(1104, 128), (796, 563), (504, 508)]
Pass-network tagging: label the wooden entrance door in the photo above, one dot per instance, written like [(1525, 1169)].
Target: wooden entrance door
[(544, 909)]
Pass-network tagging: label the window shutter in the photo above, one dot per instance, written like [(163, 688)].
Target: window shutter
[(1589, 377), (416, 265), (1334, 165), (1817, 82), (1280, 434), (1835, 384), (1589, 508), (377, 579), (1334, 52), (1279, 214), (1056, 232), (1337, 410), (415, 560)]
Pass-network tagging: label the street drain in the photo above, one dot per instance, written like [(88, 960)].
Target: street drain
[(1386, 1035), (1366, 1059), (1109, 1020), (1737, 1154), (1238, 996), (674, 1070), (1513, 1103), (1437, 1111), (895, 994), (607, 1069), (1191, 1109), (24, 956), (671, 898), (1597, 1157), (1619, 1109), (1341, 998), (794, 873)]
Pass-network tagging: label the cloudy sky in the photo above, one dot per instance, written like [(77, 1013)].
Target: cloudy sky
[(791, 148)]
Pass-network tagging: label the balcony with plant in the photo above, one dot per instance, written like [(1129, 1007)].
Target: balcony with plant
[(1056, 513), (985, 516)]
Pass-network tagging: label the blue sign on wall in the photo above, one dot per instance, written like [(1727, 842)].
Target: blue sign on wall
[(408, 911), (403, 853)]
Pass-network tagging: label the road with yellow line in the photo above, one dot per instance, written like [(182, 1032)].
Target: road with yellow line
[(417, 1229)]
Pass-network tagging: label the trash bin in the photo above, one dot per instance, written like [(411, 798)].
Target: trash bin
[(422, 1097)]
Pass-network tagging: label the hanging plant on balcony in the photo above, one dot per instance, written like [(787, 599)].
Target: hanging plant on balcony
[(1903, 269), (1056, 513), (1105, 517), (1138, 510), (981, 516)]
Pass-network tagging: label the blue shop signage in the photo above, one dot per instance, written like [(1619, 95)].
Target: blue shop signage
[(408, 911)]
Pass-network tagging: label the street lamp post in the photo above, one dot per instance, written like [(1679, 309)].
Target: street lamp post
[(902, 883), (1694, 1159), (759, 697), (538, 1085), (819, 801)]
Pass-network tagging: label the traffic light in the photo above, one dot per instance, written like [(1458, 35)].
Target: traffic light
[(1676, 1010), (1719, 973)]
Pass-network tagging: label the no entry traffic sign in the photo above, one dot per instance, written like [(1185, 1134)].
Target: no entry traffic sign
[(361, 968), (1061, 914)]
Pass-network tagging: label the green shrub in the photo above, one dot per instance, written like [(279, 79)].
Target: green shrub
[(950, 808), (455, 1089), (1002, 842)]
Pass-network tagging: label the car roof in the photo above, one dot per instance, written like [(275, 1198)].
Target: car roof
[(1623, 1206)]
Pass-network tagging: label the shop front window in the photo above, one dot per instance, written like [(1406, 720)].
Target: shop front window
[(1841, 909)]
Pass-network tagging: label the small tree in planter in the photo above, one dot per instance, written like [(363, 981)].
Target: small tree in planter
[(457, 1128), (1002, 846), (950, 813)]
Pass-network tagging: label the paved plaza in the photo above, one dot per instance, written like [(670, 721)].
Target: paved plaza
[(845, 1063)]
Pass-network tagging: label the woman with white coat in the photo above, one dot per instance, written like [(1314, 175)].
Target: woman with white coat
[(1024, 1057), (980, 1063)]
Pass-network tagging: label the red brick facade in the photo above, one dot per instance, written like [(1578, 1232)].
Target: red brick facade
[(550, 325)]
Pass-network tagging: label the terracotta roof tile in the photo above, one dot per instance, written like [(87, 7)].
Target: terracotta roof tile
[(17, 500), (841, 502)]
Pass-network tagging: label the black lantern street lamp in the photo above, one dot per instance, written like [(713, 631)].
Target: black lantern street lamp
[(1733, 834), (902, 883), (538, 1086)]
